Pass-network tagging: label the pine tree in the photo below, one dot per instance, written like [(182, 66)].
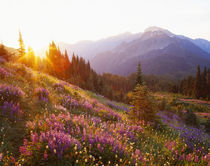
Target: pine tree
[(21, 49), (67, 64), (31, 57), (208, 83), (139, 79), (204, 88), (198, 83), (144, 107)]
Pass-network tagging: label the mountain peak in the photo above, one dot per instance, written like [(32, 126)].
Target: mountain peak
[(155, 29)]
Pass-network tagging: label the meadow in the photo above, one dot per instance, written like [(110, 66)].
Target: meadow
[(46, 121)]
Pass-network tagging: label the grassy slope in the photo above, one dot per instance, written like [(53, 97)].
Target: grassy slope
[(153, 144)]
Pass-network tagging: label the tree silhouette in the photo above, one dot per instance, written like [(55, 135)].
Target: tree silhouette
[(21, 49), (198, 83), (139, 79)]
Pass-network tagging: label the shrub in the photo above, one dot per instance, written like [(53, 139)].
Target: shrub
[(207, 126), (10, 93), (190, 118), (162, 105)]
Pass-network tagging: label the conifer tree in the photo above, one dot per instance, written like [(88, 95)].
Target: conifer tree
[(67, 64), (139, 79), (21, 49), (198, 83), (30, 57), (204, 88), (144, 107)]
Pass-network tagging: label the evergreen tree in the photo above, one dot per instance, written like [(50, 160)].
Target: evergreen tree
[(139, 79), (204, 88), (30, 57), (21, 49), (144, 107), (67, 64), (208, 84), (198, 83)]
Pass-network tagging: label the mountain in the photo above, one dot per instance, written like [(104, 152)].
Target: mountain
[(202, 43), (159, 51), (88, 49)]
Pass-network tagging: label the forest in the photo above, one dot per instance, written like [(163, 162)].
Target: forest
[(77, 71)]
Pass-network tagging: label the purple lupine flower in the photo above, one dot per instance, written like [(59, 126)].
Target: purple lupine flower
[(10, 93), (88, 105), (59, 87), (43, 94), (69, 103), (117, 107), (11, 109), (191, 135)]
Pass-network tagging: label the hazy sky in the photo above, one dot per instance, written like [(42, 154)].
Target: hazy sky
[(41, 21)]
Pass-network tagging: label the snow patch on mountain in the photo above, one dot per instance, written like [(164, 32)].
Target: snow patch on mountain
[(157, 30)]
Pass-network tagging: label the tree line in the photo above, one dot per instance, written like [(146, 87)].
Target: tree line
[(198, 86), (77, 71)]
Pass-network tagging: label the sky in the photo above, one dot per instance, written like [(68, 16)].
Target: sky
[(70, 21)]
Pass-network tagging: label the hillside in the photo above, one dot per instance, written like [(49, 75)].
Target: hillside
[(46, 121), (159, 51)]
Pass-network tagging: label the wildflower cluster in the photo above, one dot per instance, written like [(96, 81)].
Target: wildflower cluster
[(10, 93), (59, 87), (81, 137), (117, 107), (68, 102), (4, 73), (42, 94), (12, 110)]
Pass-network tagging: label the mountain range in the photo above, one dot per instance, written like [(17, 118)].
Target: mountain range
[(160, 52)]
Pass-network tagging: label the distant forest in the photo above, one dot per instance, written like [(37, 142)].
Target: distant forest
[(79, 72)]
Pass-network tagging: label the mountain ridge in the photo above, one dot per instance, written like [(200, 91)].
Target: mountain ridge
[(153, 42)]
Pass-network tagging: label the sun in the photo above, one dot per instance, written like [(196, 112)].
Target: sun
[(41, 54), (37, 48)]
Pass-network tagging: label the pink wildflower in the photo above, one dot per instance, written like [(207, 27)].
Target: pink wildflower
[(196, 159), (45, 155), (1, 156)]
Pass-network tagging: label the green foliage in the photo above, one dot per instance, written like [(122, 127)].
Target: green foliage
[(162, 105), (190, 118), (21, 49), (183, 105), (198, 83), (139, 79), (144, 106), (199, 86), (207, 125)]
